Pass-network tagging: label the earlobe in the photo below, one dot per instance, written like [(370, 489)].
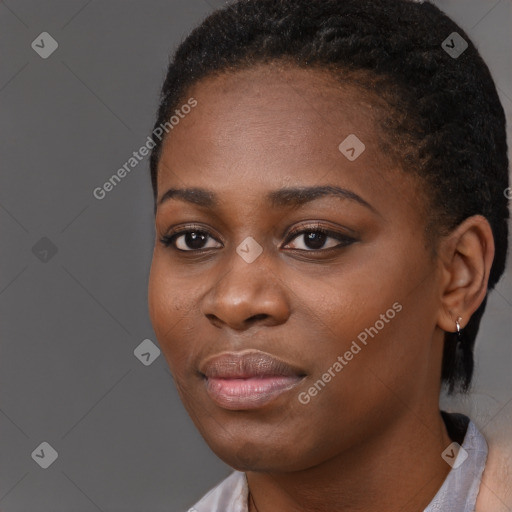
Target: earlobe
[(467, 256)]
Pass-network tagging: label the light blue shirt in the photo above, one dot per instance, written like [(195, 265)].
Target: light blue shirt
[(458, 492)]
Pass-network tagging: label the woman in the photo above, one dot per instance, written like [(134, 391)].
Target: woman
[(329, 183)]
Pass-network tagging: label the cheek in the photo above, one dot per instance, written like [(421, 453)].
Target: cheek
[(342, 307), (167, 309), (375, 316), (159, 304)]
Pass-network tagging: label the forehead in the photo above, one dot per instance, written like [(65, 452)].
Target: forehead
[(269, 125), (295, 102), (276, 113)]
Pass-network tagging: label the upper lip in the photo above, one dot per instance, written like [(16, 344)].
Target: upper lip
[(243, 365)]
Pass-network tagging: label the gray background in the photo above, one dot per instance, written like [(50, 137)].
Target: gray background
[(70, 321)]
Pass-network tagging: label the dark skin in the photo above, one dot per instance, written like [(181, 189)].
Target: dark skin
[(372, 438)]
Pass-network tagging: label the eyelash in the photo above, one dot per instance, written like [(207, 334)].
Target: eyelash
[(169, 240)]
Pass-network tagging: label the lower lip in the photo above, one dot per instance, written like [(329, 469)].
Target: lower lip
[(251, 393)]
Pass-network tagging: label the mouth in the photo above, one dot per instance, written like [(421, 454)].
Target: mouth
[(248, 380)]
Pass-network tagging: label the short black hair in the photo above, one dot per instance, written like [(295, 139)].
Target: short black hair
[(445, 122)]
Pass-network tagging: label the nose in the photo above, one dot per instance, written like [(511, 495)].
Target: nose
[(247, 294)]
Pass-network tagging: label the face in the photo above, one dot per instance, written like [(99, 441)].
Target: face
[(293, 296)]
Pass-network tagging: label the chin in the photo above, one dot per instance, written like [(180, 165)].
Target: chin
[(243, 453)]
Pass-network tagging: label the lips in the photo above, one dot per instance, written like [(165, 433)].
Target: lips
[(248, 380)]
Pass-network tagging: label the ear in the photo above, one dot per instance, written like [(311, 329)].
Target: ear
[(466, 256)]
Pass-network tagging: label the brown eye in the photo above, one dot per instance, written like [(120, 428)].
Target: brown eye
[(189, 240), (318, 239)]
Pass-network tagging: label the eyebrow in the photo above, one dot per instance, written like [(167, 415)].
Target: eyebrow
[(285, 197)]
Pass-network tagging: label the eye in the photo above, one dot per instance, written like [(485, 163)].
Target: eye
[(314, 238), (318, 238), (187, 240)]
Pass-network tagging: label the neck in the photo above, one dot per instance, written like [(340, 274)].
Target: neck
[(400, 469)]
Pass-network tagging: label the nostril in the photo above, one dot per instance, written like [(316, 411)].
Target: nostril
[(260, 316), (214, 320)]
